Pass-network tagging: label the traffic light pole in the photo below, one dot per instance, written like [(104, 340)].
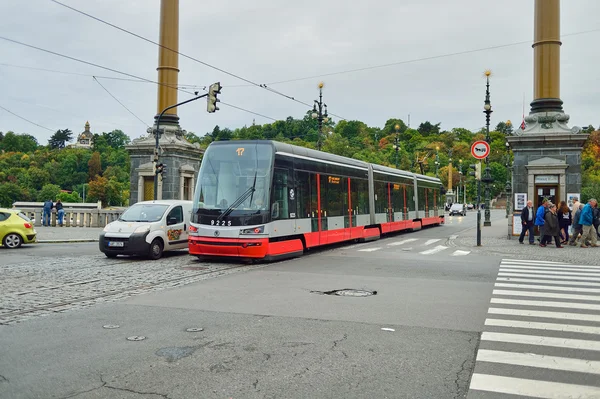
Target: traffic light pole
[(157, 136)]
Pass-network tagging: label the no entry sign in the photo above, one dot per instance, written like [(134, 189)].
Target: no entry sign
[(480, 149)]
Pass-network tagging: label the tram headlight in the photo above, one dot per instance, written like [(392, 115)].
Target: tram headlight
[(254, 230)]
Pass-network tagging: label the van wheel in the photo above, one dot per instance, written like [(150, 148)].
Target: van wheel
[(156, 249)]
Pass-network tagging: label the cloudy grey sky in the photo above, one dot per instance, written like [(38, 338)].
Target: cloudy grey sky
[(275, 40)]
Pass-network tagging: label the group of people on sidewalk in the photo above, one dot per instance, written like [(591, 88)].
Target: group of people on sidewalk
[(47, 212), (554, 223)]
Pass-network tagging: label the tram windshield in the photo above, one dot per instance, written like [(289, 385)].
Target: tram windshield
[(234, 179)]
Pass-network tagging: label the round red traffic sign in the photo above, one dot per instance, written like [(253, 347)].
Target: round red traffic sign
[(480, 149)]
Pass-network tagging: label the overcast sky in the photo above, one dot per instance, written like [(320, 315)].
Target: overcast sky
[(273, 40)]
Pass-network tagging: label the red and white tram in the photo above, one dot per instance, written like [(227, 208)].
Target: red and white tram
[(265, 199)]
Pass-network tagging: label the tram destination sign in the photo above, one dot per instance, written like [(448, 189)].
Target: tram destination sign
[(480, 149)]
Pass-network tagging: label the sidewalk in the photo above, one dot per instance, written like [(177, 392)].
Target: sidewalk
[(494, 241), (67, 234)]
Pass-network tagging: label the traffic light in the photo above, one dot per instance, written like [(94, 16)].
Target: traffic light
[(477, 170), (212, 100)]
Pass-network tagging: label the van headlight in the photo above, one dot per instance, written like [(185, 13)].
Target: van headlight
[(142, 229), (106, 228)]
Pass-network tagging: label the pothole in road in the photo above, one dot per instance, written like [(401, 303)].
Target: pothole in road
[(347, 292)]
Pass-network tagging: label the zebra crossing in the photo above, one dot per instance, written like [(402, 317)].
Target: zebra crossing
[(424, 246), (542, 333)]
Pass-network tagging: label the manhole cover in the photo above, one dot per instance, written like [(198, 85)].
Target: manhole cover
[(194, 329), (110, 326), (347, 292), (136, 338)]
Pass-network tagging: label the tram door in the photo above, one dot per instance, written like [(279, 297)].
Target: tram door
[(284, 200)]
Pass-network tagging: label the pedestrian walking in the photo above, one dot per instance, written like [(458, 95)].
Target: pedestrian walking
[(539, 218), (60, 212), (527, 219), (47, 211), (551, 228), (587, 221), (577, 227), (564, 221)]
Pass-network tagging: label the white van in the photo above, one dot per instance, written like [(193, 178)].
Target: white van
[(148, 228)]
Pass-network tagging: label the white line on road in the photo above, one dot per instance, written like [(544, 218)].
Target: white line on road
[(533, 388), (541, 340), (535, 280), (548, 272), (548, 277), (402, 242), (546, 304), (460, 253), (429, 242), (540, 361), (547, 295), (433, 250), (370, 249), (453, 237), (590, 269), (543, 326), (541, 263), (547, 287), (544, 314), (528, 261)]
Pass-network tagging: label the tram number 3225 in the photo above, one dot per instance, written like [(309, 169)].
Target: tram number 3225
[(220, 223)]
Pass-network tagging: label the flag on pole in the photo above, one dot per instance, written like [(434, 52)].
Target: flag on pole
[(523, 125)]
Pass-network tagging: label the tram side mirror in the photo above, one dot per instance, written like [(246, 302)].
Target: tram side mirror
[(275, 211)]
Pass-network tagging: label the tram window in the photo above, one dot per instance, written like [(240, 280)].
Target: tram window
[(410, 197), (303, 189), (280, 197), (430, 198), (337, 195), (360, 196), (421, 198), (397, 197), (381, 197)]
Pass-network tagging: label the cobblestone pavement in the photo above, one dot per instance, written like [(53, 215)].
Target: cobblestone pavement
[(494, 241), (47, 285)]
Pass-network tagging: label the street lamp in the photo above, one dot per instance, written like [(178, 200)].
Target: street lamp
[(320, 113), (396, 145), (487, 178), (437, 161), (460, 176)]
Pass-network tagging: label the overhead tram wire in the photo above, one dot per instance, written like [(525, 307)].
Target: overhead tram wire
[(113, 70), (123, 105), (421, 59), (263, 86), (25, 119)]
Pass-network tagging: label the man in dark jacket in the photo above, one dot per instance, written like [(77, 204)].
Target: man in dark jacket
[(527, 218), (47, 212)]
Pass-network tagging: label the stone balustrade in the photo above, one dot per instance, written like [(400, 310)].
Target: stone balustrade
[(76, 214)]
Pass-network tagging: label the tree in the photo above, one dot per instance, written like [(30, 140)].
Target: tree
[(18, 143), (72, 197), (94, 166), (428, 129), (116, 139), (48, 192), (9, 194), (59, 139)]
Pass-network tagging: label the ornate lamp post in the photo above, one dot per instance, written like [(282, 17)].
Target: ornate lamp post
[(320, 113), (460, 175), (487, 177), (397, 144), (437, 160), (509, 194)]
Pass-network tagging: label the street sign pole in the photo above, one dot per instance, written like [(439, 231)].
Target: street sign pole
[(478, 213), (480, 150)]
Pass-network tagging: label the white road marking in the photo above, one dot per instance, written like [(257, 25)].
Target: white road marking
[(543, 326), (544, 314), (547, 287), (547, 295), (540, 361), (543, 262), (535, 280), (533, 388), (402, 242), (503, 274), (370, 249), (429, 242), (433, 250), (546, 304), (460, 253), (542, 341), (453, 237), (388, 329), (590, 269), (549, 272)]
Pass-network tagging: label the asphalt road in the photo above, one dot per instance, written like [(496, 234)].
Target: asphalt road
[(270, 331)]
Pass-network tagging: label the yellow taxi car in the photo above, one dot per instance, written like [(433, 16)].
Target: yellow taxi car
[(15, 228)]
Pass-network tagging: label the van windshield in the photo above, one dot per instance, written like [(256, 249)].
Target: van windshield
[(457, 207), (144, 213)]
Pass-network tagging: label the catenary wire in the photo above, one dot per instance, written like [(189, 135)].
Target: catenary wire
[(111, 69), (117, 100), (25, 119), (264, 86)]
